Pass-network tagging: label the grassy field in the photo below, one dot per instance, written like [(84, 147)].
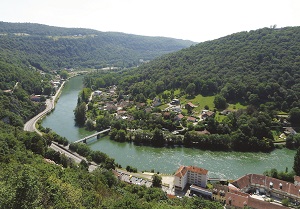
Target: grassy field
[(236, 106), (200, 101)]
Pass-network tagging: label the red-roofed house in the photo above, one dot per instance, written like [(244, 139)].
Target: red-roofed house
[(191, 119), (35, 98), (190, 175), (237, 199), (140, 105), (206, 114), (178, 117), (190, 106), (204, 132)]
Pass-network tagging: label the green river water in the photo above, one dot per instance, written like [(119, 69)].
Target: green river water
[(165, 160)]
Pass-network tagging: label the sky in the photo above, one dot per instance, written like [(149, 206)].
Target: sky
[(196, 20)]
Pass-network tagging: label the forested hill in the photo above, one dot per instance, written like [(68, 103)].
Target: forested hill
[(258, 67), (47, 47)]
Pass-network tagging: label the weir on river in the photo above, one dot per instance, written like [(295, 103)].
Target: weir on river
[(228, 165)]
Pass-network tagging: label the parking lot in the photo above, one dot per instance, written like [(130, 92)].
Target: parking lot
[(145, 179), (133, 179)]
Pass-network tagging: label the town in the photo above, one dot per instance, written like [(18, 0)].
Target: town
[(252, 190)]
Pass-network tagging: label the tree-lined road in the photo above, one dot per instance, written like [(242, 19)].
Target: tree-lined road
[(50, 104)]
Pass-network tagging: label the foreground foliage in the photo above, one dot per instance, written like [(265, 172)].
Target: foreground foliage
[(28, 181)]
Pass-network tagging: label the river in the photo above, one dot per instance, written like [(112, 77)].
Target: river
[(165, 160)]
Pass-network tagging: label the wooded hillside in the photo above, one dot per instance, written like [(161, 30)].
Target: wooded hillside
[(256, 67), (47, 47)]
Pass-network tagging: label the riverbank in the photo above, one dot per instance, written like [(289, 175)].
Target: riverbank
[(229, 165), (50, 105)]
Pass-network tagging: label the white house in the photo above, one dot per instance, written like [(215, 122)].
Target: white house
[(97, 93), (190, 175)]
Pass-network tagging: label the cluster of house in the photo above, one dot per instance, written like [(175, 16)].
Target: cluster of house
[(204, 115), (55, 85), (244, 191), (109, 104), (252, 190), (119, 107)]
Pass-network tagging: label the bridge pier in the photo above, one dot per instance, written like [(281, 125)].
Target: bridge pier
[(98, 136)]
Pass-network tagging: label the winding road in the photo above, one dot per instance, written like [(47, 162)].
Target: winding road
[(50, 104), (30, 125)]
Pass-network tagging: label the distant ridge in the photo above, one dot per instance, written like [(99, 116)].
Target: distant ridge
[(48, 47)]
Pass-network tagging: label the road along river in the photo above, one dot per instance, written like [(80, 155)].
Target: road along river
[(165, 160)]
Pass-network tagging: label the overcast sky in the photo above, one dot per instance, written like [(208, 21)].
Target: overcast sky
[(195, 20)]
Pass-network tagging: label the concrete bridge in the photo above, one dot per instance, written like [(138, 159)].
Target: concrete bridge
[(91, 136)]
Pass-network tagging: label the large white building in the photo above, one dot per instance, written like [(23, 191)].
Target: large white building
[(190, 175)]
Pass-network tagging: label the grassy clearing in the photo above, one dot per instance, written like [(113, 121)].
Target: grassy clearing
[(220, 117), (55, 38), (236, 106), (176, 92), (200, 101)]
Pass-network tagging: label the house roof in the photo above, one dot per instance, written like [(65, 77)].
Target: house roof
[(255, 203), (266, 181), (120, 112), (166, 113), (190, 118), (231, 187), (238, 199), (183, 169), (197, 170), (139, 105), (203, 132), (297, 178), (191, 104), (180, 116), (208, 113)]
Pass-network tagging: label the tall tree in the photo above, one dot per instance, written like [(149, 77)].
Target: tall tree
[(190, 89), (295, 116), (80, 113), (156, 180), (220, 102), (296, 166), (158, 138)]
